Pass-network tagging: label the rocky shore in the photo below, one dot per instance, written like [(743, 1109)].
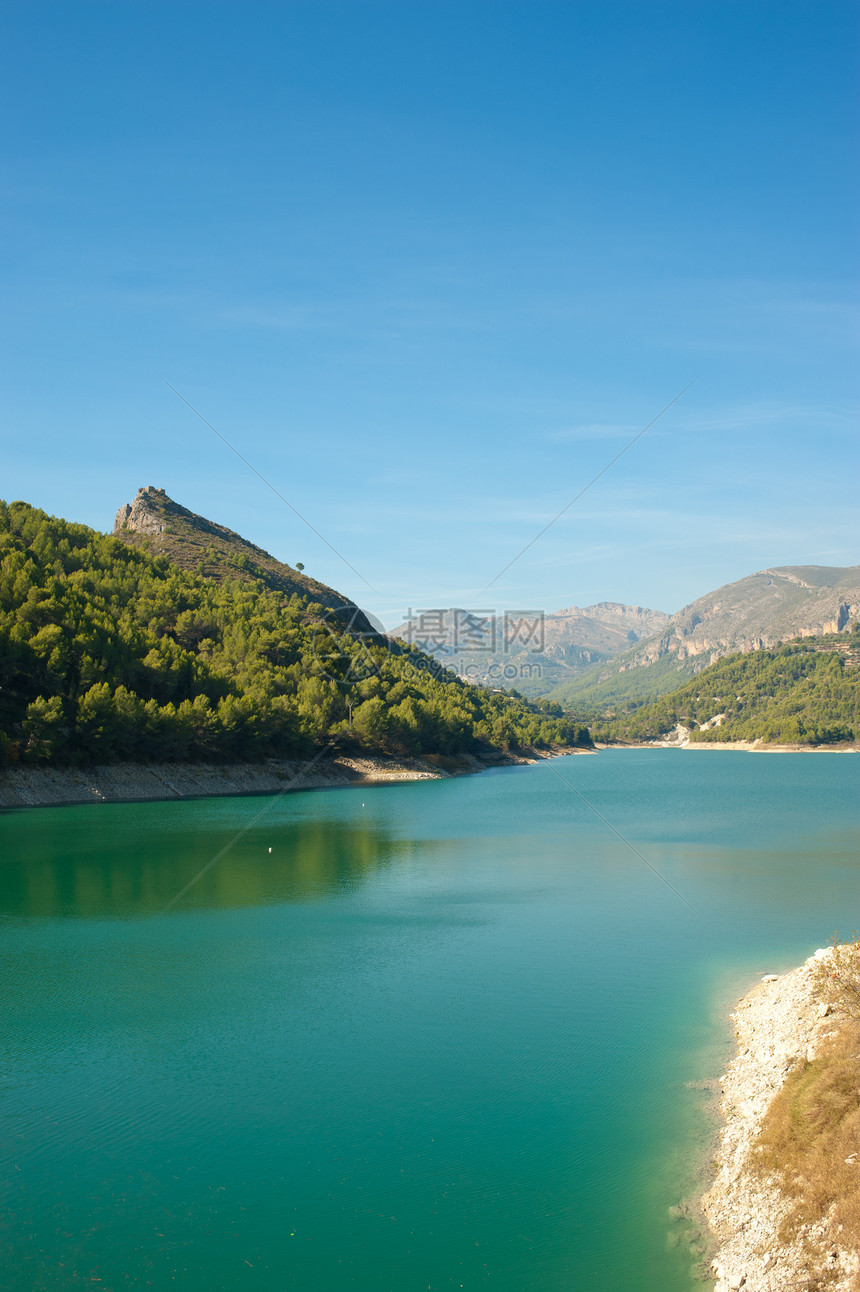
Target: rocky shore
[(780, 1023), (673, 741), (136, 782)]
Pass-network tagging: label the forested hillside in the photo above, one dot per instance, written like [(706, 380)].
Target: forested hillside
[(806, 692), (156, 524), (108, 653), (594, 693)]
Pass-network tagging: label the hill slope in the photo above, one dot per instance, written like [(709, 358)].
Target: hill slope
[(802, 693), (762, 610), (158, 525), (108, 653)]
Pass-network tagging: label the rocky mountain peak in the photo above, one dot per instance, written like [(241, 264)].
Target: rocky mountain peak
[(154, 522), (145, 515)]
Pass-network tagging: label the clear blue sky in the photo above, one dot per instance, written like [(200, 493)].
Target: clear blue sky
[(430, 266)]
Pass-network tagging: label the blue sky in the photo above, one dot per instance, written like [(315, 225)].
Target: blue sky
[(429, 266)]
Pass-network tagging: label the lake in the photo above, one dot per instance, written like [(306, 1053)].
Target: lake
[(441, 1036)]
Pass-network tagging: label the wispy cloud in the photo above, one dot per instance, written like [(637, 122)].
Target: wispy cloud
[(761, 318), (593, 431), (768, 414), (283, 317)]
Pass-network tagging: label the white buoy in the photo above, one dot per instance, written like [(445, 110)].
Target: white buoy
[(270, 850)]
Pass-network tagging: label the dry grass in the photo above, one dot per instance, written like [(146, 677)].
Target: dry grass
[(838, 979), (813, 1126)]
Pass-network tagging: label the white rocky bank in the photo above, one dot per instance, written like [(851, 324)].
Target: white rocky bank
[(780, 1022)]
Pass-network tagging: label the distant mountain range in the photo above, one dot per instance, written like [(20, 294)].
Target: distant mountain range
[(775, 605), (612, 654), (527, 650)]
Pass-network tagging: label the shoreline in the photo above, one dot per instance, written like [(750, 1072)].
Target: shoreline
[(779, 1024), (34, 787), (743, 746)]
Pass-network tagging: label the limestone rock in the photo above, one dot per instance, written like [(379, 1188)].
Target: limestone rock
[(145, 515), (779, 1022)]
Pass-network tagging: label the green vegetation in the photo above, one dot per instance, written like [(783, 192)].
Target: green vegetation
[(108, 653), (202, 547), (806, 692), (613, 686)]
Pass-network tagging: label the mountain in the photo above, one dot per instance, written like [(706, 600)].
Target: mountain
[(807, 692), (527, 650), (755, 613), (163, 527), (109, 652)]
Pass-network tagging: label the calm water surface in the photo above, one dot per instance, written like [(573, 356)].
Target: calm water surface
[(438, 1038)]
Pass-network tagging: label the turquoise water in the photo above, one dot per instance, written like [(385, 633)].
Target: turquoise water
[(438, 1038)]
